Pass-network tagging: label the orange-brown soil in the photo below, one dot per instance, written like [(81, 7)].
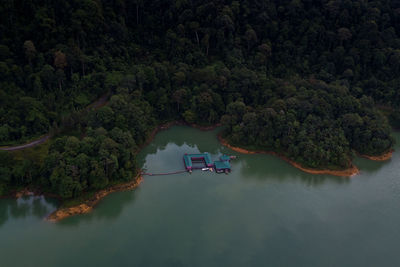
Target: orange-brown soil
[(383, 157), (353, 170), (89, 204), (24, 192)]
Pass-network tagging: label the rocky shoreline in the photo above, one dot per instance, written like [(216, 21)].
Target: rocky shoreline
[(90, 203)]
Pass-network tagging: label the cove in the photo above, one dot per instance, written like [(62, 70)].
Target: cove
[(265, 212)]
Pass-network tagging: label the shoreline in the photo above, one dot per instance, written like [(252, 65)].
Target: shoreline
[(383, 157), (88, 205), (353, 170), (28, 191)]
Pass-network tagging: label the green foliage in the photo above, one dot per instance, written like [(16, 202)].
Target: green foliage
[(395, 118), (317, 124), (75, 165), (106, 154), (299, 77), (16, 173)]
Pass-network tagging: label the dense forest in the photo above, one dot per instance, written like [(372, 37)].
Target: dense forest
[(309, 79)]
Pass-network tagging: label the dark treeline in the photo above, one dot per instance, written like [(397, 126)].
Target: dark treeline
[(301, 77), (101, 152), (316, 124), (106, 153)]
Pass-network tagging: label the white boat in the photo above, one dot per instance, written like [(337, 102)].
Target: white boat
[(205, 169)]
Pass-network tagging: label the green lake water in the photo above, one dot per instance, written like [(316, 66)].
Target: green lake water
[(265, 213)]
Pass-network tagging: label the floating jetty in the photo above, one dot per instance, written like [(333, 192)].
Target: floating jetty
[(203, 161)]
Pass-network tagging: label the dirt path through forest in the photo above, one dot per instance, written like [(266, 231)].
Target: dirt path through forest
[(41, 140), (102, 101)]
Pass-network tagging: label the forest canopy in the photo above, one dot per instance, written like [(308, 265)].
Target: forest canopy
[(305, 78)]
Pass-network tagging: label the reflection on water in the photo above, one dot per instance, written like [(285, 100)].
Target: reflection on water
[(170, 146), (265, 213), (282, 171), (33, 206), (369, 166), (165, 154), (110, 208)]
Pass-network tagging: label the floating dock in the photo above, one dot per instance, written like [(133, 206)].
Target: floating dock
[(203, 160)]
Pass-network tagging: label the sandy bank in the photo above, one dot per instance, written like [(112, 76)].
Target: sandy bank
[(383, 157), (353, 170), (89, 204)]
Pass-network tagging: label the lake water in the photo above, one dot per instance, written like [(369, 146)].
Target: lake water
[(265, 212)]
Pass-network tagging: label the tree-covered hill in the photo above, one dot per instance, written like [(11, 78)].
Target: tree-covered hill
[(302, 77)]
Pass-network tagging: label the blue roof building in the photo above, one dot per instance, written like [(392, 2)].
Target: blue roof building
[(223, 165)]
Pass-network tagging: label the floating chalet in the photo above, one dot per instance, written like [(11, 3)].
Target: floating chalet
[(203, 161)]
